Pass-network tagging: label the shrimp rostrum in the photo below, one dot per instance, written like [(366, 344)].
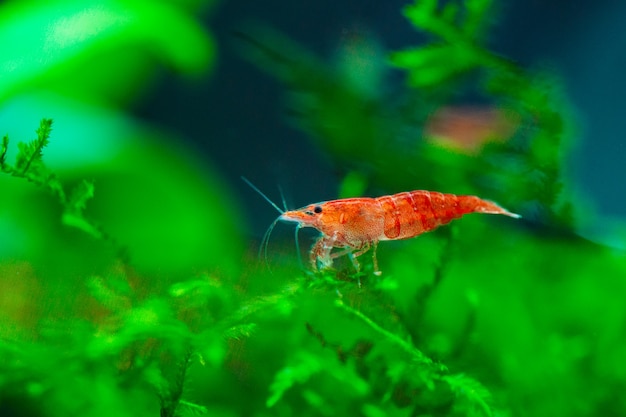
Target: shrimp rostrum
[(354, 225)]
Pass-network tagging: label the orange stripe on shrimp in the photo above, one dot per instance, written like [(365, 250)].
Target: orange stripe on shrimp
[(357, 224)]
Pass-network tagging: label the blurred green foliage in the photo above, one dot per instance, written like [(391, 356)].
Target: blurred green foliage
[(85, 62), (29, 165), (58, 40), (159, 310)]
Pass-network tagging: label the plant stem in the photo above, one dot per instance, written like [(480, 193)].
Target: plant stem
[(417, 354)]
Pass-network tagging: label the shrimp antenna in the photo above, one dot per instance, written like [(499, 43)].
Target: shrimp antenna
[(298, 227), (266, 237), (254, 187), (265, 243), (282, 197)]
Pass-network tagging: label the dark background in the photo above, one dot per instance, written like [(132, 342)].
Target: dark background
[(237, 119)]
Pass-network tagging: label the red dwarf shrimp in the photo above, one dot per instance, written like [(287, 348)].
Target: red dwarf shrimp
[(354, 225)]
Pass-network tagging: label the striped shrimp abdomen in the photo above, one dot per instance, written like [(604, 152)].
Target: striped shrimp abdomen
[(410, 214)]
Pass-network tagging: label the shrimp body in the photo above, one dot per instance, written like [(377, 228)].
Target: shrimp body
[(356, 224)]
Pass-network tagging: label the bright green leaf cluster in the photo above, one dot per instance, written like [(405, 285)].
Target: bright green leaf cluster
[(458, 29), (30, 154)]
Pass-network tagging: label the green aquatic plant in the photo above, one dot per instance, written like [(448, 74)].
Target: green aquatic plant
[(383, 139), (29, 165), (369, 351)]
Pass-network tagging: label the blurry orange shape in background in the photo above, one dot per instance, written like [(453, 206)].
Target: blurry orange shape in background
[(467, 129)]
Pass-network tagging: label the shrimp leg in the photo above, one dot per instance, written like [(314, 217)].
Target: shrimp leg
[(355, 253), (364, 248), (320, 252)]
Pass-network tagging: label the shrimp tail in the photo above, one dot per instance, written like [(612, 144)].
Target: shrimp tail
[(473, 204)]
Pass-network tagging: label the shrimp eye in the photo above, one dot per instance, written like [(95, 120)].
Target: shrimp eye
[(317, 209)]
